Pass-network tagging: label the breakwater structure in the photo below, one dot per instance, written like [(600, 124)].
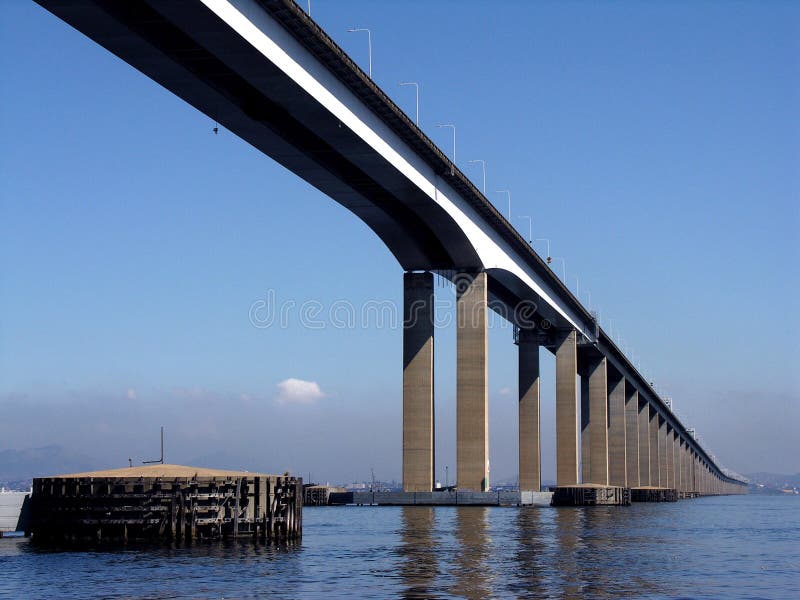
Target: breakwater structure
[(165, 503)]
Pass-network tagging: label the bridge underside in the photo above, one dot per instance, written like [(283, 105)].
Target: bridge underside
[(189, 50)]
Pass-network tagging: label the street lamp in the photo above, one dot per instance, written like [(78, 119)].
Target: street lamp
[(483, 166), (369, 42), (453, 127), (530, 228), (563, 269), (549, 258), (508, 193), (416, 87)]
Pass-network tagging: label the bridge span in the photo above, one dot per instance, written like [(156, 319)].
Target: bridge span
[(269, 74)]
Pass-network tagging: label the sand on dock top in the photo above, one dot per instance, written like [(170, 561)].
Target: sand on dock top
[(171, 471)]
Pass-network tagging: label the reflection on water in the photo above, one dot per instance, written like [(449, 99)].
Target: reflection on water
[(569, 529), (532, 548), (473, 578), (420, 566), (706, 548)]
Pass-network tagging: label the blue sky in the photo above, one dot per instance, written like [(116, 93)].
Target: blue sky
[(656, 144)]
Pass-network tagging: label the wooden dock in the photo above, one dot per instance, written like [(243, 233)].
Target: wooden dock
[(654, 494), (591, 495), (166, 503), (320, 495)]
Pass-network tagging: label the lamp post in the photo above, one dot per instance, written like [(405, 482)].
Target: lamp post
[(483, 166), (563, 269), (508, 193), (369, 43), (416, 88), (549, 258), (530, 228), (453, 127)]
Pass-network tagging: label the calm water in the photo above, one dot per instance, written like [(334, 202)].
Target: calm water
[(746, 547)]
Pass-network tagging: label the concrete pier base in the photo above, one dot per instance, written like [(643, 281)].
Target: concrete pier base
[(591, 495), (444, 498), (651, 494)]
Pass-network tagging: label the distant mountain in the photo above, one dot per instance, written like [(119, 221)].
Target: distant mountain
[(23, 465), (774, 483), (775, 480), (231, 462)]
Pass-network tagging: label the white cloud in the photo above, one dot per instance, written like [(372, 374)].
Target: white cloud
[(131, 394), (505, 391), (297, 391)]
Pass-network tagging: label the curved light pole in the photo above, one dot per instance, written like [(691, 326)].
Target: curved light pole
[(549, 258), (508, 193), (483, 166), (453, 127), (530, 228), (563, 269), (369, 42), (416, 87)]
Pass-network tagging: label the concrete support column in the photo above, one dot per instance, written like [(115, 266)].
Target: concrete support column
[(655, 462), (644, 443), (566, 409), (704, 478), (676, 452), (662, 453), (632, 436), (472, 398), (418, 436), (594, 440), (701, 484), (530, 474), (617, 461), (669, 451), (696, 473), (684, 478)]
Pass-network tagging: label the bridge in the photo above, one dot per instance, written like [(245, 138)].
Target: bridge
[(269, 74)]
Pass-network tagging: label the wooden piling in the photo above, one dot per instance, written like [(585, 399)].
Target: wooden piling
[(165, 503)]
